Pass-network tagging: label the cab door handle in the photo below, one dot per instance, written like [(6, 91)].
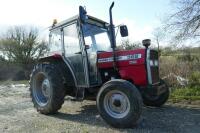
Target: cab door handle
[(78, 52)]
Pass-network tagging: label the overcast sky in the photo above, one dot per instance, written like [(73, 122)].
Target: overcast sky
[(141, 16)]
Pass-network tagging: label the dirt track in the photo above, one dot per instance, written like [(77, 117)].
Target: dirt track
[(18, 115)]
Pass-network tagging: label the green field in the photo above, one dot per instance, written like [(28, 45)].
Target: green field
[(190, 94)]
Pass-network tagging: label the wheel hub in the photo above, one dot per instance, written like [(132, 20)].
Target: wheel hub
[(45, 87), (116, 104), (41, 89)]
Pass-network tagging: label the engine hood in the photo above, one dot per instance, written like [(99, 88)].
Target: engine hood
[(123, 58)]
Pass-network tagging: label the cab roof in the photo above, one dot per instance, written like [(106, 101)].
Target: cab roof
[(73, 19)]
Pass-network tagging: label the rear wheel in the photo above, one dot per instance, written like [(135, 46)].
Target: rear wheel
[(157, 101), (119, 103), (46, 88)]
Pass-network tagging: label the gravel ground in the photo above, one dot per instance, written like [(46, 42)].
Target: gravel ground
[(18, 115)]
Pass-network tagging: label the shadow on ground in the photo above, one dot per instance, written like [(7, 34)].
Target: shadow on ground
[(87, 115), (168, 118)]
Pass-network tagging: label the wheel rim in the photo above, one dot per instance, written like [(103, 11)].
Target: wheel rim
[(41, 89), (116, 104)]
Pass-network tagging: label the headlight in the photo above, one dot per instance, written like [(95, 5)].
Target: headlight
[(153, 62), (156, 62)]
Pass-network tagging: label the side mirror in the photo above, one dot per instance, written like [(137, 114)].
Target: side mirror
[(82, 14), (123, 30)]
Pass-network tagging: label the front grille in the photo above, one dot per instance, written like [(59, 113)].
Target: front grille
[(154, 68)]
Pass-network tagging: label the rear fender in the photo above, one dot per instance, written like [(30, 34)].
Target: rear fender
[(58, 59)]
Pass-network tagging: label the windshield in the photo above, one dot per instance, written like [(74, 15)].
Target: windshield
[(96, 38)]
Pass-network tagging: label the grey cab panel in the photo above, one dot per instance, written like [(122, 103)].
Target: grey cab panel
[(73, 52)]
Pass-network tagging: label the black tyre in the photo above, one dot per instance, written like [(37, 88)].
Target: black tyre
[(119, 103), (46, 88), (157, 101)]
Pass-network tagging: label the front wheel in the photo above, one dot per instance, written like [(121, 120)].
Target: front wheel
[(119, 103)]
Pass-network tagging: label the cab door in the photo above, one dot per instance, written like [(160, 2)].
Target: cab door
[(92, 60), (75, 54)]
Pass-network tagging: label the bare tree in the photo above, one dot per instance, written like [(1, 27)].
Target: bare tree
[(21, 44), (186, 21), (128, 45), (159, 36)]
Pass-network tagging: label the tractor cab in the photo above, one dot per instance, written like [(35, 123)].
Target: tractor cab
[(79, 44)]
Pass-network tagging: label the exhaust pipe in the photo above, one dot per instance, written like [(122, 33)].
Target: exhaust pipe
[(112, 30), (113, 39)]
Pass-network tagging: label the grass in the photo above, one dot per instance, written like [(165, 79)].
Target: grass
[(190, 94)]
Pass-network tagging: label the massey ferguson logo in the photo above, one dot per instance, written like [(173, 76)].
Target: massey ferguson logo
[(121, 58)]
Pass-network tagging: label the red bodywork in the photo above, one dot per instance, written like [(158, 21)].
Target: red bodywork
[(129, 69)]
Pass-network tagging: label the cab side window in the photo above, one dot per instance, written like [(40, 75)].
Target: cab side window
[(71, 41), (55, 41)]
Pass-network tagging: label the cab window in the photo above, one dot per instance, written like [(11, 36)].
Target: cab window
[(71, 41), (55, 41)]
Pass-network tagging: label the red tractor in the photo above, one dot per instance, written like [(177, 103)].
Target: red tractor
[(83, 62)]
